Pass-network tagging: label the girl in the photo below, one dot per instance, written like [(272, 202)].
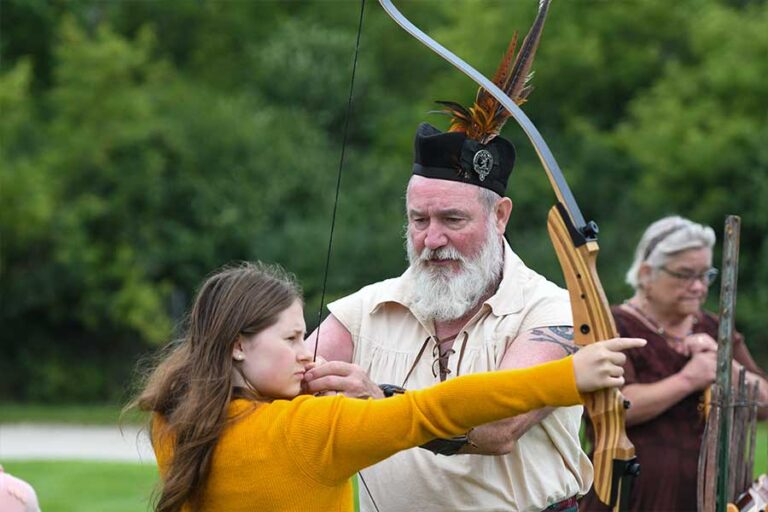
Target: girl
[(232, 431)]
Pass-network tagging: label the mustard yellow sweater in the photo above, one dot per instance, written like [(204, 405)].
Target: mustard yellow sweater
[(299, 455)]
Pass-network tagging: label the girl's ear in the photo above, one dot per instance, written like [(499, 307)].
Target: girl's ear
[(238, 354)]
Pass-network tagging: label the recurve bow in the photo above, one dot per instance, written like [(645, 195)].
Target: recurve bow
[(575, 243)]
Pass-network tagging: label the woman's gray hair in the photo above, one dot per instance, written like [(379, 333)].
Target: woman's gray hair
[(665, 238)]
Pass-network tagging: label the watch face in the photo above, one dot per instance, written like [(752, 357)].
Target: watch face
[(441, 446), (391, 389)]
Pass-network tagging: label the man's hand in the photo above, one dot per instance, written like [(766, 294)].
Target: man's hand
[(338, 377)]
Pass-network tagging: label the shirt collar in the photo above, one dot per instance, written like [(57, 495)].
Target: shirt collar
[(508, 298)]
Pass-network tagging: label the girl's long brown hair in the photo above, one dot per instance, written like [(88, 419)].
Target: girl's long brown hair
[(191, 386)]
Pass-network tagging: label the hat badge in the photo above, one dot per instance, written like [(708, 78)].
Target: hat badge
[(482, 163)]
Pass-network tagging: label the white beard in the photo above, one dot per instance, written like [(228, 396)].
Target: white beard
[(441, 294)]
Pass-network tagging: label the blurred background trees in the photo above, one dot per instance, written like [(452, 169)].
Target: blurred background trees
[(144, 144)]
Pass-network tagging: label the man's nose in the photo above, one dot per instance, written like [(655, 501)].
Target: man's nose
[(435, 237)]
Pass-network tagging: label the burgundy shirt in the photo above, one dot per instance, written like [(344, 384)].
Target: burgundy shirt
[(667, 446)]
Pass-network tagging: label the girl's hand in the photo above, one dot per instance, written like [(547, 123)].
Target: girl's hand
[(305, 390), (600, 365)]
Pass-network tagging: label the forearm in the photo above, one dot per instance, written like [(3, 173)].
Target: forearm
[(479, 399), (650, 400), (343, 436), (500, 437), (530, 348)]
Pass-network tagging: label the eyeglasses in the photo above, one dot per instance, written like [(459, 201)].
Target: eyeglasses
[(707, 277)]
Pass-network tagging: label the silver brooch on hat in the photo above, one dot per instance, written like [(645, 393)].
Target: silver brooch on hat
[(482, 163)]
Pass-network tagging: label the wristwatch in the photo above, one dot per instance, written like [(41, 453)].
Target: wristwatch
[(442, 446), (439, 446), (391, 390)]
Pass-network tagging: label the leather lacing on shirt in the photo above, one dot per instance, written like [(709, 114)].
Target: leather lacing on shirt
[(440, 362)]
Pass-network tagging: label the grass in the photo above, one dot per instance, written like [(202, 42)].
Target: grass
[(75, 486), (761, 450), (82, 486), (65, 486), (91, 414)]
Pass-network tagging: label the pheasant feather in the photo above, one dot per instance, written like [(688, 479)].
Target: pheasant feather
[(483, 120)]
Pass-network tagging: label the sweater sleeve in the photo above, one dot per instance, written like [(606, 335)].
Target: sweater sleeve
[(334, 437)]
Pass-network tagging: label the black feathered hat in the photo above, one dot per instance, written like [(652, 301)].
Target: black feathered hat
[(454, 156), (471, 151)]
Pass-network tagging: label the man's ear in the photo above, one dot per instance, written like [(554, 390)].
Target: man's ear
[(502, 212)]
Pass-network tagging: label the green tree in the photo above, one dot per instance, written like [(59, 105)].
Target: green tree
[(698, 136), (145, 144)]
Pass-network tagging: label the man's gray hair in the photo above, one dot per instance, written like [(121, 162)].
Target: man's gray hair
[(665, 238), (488, 198)]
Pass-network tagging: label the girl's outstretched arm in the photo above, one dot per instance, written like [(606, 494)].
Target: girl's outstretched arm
[(334, 437)]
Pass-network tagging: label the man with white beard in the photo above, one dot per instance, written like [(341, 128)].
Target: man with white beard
[(466, 304)]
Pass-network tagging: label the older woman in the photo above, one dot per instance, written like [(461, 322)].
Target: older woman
[(671, 275)]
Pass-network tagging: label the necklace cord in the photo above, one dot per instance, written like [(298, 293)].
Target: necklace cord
[(656, 326)]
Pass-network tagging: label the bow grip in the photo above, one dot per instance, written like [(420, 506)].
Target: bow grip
[(614, 455)]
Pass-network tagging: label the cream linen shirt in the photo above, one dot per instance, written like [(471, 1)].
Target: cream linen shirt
[(547, 464)]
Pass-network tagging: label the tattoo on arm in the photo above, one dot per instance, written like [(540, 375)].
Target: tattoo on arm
[(561, 335)]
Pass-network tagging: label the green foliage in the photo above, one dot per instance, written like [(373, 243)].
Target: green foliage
[(145, 144), (706, 122)]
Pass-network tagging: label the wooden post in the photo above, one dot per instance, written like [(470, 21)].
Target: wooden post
[(707, 456), (725, 355), (738, 465), (751, 446)]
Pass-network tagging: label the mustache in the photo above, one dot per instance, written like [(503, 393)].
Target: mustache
[(443, 253)]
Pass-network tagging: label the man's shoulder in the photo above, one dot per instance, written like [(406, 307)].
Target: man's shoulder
[(383, 288), (531, 283), (369, 296)]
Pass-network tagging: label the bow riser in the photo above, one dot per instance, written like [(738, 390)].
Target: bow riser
[(614, 454)]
